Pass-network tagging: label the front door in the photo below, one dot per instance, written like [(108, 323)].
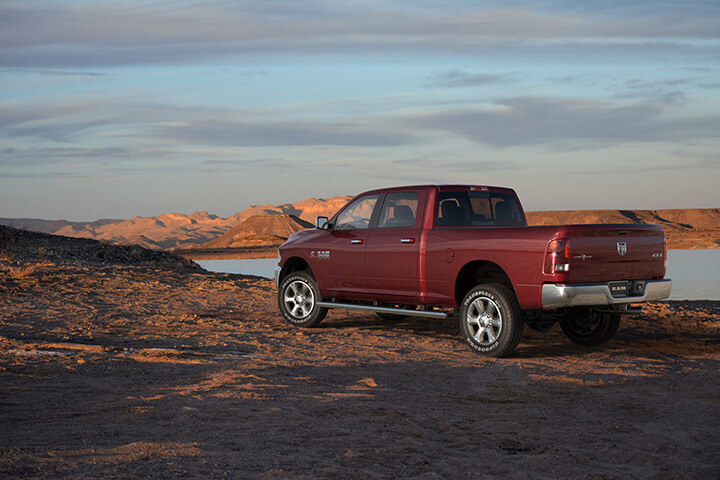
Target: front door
[(341, 256)]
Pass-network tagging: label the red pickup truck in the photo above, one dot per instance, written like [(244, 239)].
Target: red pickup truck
[(443, 250)]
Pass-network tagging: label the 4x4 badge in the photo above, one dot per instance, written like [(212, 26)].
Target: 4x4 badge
[(622, 248)]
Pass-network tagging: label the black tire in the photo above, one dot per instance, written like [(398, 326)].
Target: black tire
[(588, 327), (491, 320), (297, 299), (538, 322), (391, 317)]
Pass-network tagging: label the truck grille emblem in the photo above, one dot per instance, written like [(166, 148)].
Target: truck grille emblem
[(621, 248)]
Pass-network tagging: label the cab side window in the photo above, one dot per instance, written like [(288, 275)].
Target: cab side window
[(357, 215), (399, 210)]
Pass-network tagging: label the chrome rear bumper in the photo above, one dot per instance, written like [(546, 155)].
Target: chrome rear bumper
[(557, 296)]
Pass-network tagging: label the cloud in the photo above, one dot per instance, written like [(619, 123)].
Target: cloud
[(658, 92), (125, 159), (246, 166), (58, 73), (156, 130), (572, 123), (246, 133), (59, 121), (100, 118), (66, 176), (658, 96), (161, 124), (48, 34), (442, 166), (458, 78), (44, 156)]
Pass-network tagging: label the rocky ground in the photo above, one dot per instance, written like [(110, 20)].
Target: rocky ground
[(129, 364)]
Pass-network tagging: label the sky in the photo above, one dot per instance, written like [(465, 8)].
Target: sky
[(123, 108)]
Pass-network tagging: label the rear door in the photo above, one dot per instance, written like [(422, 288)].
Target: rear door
[(392, 255)]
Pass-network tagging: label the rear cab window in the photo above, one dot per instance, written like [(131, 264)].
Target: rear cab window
[(478, 208)]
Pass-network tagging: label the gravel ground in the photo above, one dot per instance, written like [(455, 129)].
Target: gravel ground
[(119, 362)]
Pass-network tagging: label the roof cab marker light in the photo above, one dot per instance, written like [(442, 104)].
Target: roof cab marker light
[(557, 257)]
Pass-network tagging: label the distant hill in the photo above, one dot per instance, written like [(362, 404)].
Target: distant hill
[(685, 228), (306, 210), (175, 230), (259, 230)]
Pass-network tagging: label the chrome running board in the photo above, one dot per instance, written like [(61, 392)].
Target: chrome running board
[(390, 310)]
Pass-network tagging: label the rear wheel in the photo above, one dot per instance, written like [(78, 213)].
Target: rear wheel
[(588, 327), (491, 320), (297, 298)]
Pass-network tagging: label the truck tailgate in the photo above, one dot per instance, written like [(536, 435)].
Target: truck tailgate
[(616, 252)]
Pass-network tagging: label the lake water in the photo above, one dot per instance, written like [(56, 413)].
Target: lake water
[(695, 273), (261, 267)]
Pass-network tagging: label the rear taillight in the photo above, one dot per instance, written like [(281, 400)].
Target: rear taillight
[(557, 257), (665, 253)]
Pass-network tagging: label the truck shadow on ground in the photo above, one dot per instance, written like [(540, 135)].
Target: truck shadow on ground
[(665, 336)]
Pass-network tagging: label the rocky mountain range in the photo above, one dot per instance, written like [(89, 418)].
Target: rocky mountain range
[(175, 230), (685, 228), (259, 230)]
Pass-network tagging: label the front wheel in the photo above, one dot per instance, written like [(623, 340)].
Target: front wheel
[(589, 327), (297, 298), (491, 320)]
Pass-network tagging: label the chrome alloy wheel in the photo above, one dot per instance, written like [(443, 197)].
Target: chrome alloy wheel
[(299, 299), (484, 321)]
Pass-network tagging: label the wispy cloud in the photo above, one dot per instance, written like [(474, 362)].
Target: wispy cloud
[(517, 121), (56, 73), (48, 34), (284, 133), (525, 121), (458, 78), (62, 176)]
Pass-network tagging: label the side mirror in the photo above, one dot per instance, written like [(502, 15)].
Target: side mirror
[(321, 223)]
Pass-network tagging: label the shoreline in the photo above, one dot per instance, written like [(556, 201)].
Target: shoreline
[(237, 253)]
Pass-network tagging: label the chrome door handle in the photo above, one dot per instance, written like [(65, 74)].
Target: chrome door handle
[(356, 242), (407, 240)]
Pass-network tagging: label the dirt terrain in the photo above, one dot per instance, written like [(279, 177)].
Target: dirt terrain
[(129, 364)]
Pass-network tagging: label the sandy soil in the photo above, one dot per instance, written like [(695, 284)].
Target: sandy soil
[(151, 372)]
